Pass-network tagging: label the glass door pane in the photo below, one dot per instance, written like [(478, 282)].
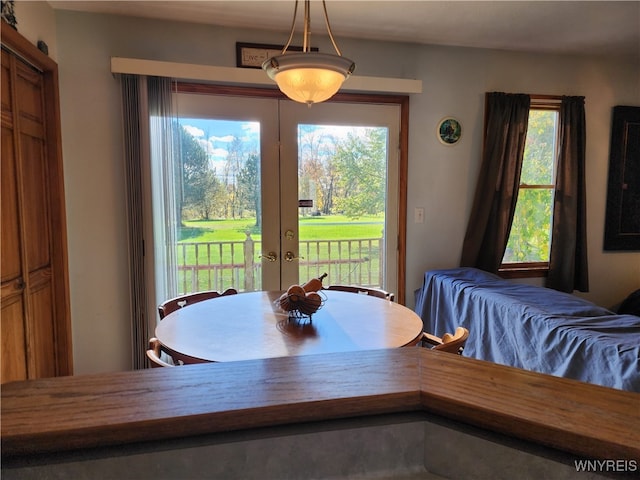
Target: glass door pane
[(226, 194), (345, 197)]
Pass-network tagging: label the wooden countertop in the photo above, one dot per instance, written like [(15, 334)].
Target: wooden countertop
[(66, 413)]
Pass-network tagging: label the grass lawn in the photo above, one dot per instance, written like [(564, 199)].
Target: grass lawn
[(341, 259), (332, 227)]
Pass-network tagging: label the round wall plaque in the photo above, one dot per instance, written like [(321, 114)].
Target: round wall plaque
[(449, 131)]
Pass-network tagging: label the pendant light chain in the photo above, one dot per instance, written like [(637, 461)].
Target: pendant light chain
[(306, 36), (306, 47), (293, 29), (326, 20)]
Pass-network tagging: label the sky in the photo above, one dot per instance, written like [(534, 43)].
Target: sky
[(216, 135)]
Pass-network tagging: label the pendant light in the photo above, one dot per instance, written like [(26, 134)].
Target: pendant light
[(309, 77)]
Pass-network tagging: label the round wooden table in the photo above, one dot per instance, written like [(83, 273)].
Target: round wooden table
[(251, 326)]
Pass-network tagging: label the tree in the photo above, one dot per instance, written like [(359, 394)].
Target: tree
[(317, 174), (530, 236), (232, 171), (360, 163), (214, 197), (249, 186), (192, 171)]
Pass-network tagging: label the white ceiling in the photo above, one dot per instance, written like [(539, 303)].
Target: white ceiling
[(571, 27)]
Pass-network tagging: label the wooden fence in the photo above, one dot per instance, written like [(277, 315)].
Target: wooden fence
[(220, 265)]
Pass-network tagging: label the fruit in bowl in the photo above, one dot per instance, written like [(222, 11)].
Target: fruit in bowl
[(303, 299)]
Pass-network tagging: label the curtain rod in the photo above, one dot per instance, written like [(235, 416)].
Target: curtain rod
[(251, 76)]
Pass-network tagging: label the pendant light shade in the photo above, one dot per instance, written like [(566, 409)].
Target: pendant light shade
[(309, 77)]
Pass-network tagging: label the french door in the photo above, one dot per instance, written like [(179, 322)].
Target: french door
[(272, 193), (338, 193)]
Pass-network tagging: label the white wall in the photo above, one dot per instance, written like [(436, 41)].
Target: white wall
[(454, 82), (441, 178), (36, 21)]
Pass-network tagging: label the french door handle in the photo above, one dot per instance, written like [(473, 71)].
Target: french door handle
[(271, 256), (290, 257)]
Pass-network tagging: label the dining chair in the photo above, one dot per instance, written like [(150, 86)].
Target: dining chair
[(173, 304), (374, 292), (453, 343), (154, 354)]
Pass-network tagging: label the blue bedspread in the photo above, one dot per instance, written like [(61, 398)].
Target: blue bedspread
[(532, 327)]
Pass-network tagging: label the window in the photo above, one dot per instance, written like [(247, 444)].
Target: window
[(554, 170), (529, 241)]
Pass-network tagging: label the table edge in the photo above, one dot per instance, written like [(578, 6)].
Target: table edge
[(271, 296)]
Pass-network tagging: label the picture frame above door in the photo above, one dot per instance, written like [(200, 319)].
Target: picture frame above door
[(253, 55)]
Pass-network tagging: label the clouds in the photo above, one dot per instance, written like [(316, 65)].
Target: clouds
[(224, 139), (218, 147), (215, 136), (251, 128), (193, 131)]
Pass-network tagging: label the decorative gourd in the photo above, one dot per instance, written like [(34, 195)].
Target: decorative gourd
[(305, 309), (313, 299), (314, 284), (285, 303), (299, 303), (310, 304), (295, 293)]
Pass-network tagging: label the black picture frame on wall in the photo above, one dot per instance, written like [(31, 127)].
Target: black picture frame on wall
[(252, 55), (622, 222)]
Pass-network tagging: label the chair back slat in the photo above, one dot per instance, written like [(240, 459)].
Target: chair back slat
[(374, 292), (453, 343), (154, 354), (173, 304)]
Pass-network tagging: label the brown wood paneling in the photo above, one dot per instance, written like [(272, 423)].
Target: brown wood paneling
[(10, 244), (5, 93), (14, 353), (42, 331), (35, 211)]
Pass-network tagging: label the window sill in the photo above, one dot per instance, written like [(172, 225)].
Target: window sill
[(523, 270)]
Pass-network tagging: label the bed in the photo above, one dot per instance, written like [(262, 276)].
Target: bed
[(533, 328)]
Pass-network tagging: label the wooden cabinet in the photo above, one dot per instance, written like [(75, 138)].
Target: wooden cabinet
[(36, 329)]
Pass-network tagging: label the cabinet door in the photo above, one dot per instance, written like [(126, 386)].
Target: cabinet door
[(14, 357), (34, 287), (35, 215)]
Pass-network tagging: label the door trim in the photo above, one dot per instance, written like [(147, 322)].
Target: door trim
[(403, 160)]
